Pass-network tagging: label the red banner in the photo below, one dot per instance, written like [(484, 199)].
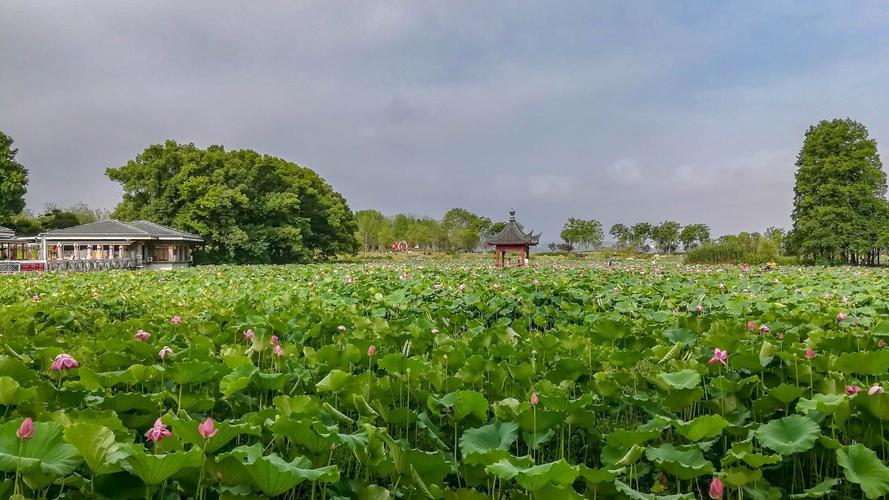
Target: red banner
[(33, 266)]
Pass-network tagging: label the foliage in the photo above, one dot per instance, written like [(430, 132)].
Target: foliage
[(840, 213), (751, 248), (618, 358), (248, 207), (621, 235), (13, 179), (694, 235), (583, 233), (464, 228), (666, 236)]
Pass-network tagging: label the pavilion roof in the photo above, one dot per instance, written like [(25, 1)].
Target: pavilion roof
[(6, 233), (512, 234), (137, 230)]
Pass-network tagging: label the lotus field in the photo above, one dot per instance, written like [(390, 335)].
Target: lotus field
[(427, 379)]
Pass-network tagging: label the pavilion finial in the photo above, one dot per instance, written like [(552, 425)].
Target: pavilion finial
[(512, 215)]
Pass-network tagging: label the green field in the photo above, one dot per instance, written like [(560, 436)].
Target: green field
[(617, 360)]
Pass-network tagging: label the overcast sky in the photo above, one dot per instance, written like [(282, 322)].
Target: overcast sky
[(620, 111)]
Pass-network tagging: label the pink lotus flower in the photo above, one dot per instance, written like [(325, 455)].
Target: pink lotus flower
[(437, 286), (249, 334), (274, 340), (535, 282), (853, 390), (495, 286), (461, 287), (722, 286), (166, 351), (751, 325), (63, 362), (208, 429), (881, 344), (699, 308), (845, 299), (26, 430), (142, 335), (372, 350), (746, 268), (534, 399), (841, 316), (434, 331), (719, 356), (616, 289), (278, 350), (876, 389), (341, 328), (764, 329), (35, 298), (176, 320), (716, 488), (810, 353), (157, 432), (780, 336)]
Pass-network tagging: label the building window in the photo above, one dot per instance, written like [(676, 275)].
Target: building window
[(161, 253)]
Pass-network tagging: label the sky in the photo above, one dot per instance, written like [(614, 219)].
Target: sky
[(622, 111)]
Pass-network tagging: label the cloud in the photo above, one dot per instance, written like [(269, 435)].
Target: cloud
[(620, 112)]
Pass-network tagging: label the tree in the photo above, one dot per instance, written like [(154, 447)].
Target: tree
[(621, 235), (666, 236), (13, 179), (585, 233), (694, 235), (464, 228), (57, 219), (839, 206), (369, 223), (248, 207), (639, 234)]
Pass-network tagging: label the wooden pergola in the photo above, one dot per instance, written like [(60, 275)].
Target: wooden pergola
[(512, 240)]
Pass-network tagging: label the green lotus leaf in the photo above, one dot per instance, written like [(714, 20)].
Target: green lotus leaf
[(186, 430), (743, 451), (335, 381), (638, 495), (508, 468), (703, 427), (559, 474), (877, 405), (274, 476), (237, 380), (192, 372), (297, 405), (11, 393), (685, 462), (683, 379), (462, 404), (154, 468), (477, 442), (822, 489), (827, 404), (739, 476), (44, 458), (98, 447), (863, 363), (862, 467), (789, 435), (786, 393)]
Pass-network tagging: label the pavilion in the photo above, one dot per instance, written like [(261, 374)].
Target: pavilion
[(512, 239), (146, 244)]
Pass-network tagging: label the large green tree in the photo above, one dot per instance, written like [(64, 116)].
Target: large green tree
[(666, 236), (621, 234), (13, 179), (693, 235), (248, 207), (839, 206), (583, 233), (370, 224), (464, 228)]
